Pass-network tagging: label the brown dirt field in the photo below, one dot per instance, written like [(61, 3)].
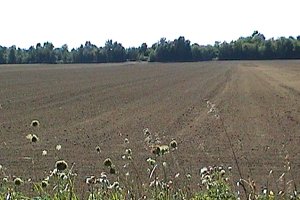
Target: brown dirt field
[(82, 106)]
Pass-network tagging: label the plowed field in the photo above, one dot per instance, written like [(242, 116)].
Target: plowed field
[(83, 106)]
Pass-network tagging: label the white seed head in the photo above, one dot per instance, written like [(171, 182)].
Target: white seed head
[(44, 153), (58, 147)]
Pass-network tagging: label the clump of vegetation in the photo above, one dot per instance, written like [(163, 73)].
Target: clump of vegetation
[(162, 178)]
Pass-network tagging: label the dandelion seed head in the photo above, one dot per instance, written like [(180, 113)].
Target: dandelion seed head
[(203, 170), (98, 149), (58, 147), (188, 176), (164, 149), (128, 151), (164, 164), (44, 153), (35, 123), (61, 165), (34, 138), (265, 191), (44, 184), (126, 141), (29, 136), (173, 144), (18, 181), (222, 172), (107, 162), (156, 151), (151, 161), (103, 175)]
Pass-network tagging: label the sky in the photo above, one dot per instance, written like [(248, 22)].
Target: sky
[(132, 22)]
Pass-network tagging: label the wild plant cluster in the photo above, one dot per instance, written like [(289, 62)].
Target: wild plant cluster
[(160, 179)]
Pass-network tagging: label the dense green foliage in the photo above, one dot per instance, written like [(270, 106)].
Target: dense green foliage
[(254, 47)]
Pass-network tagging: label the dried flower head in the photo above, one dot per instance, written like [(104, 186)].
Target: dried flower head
[(151, 161), (98, 149), (107, 162), (61, 165), (33, 138), (156, 151), (18, 181), (126, 141), (164, 149), (44, 184), (35, 123), (128, 151), (173, 144)]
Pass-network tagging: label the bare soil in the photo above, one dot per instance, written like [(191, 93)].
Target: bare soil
[(83, 106)]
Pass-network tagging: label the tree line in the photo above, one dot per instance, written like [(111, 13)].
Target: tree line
[(253, 47)]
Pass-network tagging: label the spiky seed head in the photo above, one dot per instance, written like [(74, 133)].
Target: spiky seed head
[(107, 162), (61, 165), (18, 181), (35, 123), (44, 184), (112, 169), (173, 144)]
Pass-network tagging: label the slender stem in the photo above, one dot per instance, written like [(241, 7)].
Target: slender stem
[(233, 154)]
